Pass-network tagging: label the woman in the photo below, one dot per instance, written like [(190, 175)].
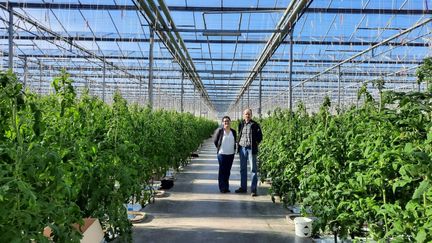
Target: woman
[(225, 141)]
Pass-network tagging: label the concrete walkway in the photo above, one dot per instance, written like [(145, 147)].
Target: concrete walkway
[(195, 210)]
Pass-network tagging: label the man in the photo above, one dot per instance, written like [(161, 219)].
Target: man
[(250, 136)]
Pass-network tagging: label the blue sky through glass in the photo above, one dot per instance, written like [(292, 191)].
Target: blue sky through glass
[(224, 40)]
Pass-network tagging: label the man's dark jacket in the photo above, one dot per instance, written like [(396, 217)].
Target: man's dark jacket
[(255, 133), (217, 138)]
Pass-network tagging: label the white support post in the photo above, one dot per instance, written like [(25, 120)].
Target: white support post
[(182, 94), (260, 96), (150, 83), (103, 81), (339, 88), (11, 31), (40, 77), (290, 72), (25, 71)]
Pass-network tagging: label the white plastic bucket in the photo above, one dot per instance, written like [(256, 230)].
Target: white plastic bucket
[(303, 226)]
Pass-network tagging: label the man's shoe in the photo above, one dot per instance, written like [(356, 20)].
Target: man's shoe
[(225, 191), (240, 190), (254, 194)]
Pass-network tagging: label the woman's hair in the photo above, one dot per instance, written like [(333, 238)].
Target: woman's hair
[(226, 117)]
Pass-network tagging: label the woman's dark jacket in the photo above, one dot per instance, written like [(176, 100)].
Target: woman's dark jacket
[(255, 133), (217, 139)]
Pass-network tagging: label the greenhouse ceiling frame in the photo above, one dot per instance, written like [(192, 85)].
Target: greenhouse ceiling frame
[(295, 42), (386, 41), (48, 56), (87, 6), (286, 23), (174, 43), (57, 36), (385, 66)]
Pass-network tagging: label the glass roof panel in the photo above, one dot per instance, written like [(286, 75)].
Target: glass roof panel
[(107, 43)]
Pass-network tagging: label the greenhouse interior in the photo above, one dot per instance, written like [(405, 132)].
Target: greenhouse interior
[(103, 100)]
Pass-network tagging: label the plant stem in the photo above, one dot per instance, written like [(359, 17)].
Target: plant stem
[(18, 159), (18, 138), (424, 197), (385, 216), (381, 102)]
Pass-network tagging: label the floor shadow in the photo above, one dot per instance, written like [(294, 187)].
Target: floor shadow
[(148, 218), (216, 208), (172, 234)]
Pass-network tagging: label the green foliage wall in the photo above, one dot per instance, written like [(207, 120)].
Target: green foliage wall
[(64, 158), (369, 166)]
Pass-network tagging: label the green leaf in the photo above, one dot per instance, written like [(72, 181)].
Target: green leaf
[(400, 183), (421, 236), (422, 188), (408, 148), (398, 225)]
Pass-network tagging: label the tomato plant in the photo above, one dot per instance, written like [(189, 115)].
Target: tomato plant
[(63, 158), (367, 166)]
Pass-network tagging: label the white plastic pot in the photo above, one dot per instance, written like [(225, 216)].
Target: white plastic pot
[(303, 226)]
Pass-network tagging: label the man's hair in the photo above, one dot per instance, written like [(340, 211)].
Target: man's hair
[(226, 117), (248, 109)]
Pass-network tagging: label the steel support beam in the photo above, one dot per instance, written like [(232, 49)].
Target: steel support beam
[(40, 78), (25, 72), (239, 78), (365, 72), (339, 88), (204, 41), (282, 60), (150, 82), (140, 98), (194, 101), (291, 68), (221, 31), (302, 94), (309, 10), (182, 93), (10, 37), (233, 87), (103, 82), (218, 97), (76, 6), (260, 97), (218, 73)]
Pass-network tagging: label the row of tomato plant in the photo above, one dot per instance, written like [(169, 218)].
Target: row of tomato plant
[(64, 158), (364, 172)]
